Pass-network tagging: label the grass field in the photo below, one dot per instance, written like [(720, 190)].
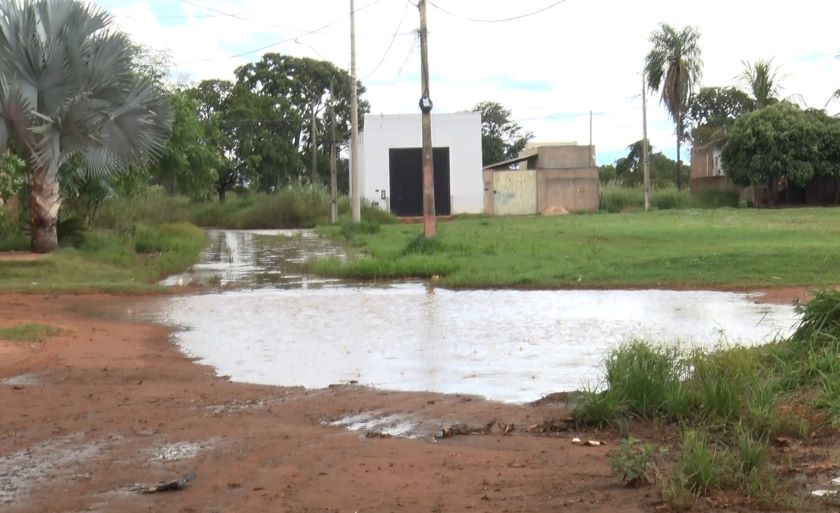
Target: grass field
[(106, 262), (674, 248)]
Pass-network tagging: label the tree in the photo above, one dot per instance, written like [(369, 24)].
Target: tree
[(501, 137), (304, 85), (628, 170), (189, 160), (68, 90), (779, 141), (713, 111), (674, 66), (762, 80)]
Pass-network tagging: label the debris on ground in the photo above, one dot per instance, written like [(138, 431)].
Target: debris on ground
[(169, 486), (587, 443), (551, 426), (492, 427)]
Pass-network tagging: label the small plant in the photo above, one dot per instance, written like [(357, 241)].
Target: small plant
[(634, 462), (423, 246), (645, 376), (349, 230), (700, 466), (675, 492)]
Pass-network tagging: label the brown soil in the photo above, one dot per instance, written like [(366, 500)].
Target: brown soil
[(91, 415), (19, 256)]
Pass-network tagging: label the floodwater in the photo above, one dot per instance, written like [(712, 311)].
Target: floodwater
[(282, 327)]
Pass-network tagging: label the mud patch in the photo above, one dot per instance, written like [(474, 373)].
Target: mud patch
[(23, 380), (375, 424), (53, 460)]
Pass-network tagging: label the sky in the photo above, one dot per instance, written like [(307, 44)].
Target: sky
[(550, 69)]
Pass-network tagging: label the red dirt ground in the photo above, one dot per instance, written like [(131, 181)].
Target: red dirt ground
[(88, 415)]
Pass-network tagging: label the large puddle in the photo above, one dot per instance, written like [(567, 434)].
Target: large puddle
[(285, 328)]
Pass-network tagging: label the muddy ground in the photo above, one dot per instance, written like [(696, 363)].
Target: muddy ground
[(108, 408)]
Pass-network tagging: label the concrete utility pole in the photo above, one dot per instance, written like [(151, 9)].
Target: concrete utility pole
[(429, 226), (355, 196), (645, 168), (333, 165), (313, 141)]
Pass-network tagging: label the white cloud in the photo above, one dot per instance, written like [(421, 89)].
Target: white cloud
[(589, 52)]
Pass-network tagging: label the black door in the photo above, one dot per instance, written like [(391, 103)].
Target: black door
[(406, 176)]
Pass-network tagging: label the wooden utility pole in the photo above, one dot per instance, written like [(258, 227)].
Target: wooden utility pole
[(355, 197), (429, 226), (645, 167), (590, 139), (333, 165)]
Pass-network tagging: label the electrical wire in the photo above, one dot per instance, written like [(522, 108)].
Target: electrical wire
[(390, 45), (499, 20), (270, 45)]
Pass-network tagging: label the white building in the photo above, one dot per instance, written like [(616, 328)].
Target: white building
[(391, 173)]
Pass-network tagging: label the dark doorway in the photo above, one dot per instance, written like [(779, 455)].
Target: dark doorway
[(406, 175)]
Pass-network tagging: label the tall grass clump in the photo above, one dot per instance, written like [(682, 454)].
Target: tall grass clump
[(669, 198), (616, 199), (645, 377)]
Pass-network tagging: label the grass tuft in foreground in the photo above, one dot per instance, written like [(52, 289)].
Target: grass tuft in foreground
[(28, 332)]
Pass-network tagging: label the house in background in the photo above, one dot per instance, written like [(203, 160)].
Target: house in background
[(543, 179), (390, 161)]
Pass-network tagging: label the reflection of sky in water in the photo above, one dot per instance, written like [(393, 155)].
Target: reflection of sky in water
[(503, 344), (259, 258)]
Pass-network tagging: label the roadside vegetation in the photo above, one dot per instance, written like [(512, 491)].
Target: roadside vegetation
[(669, 248), (28, 332), (738, 414)]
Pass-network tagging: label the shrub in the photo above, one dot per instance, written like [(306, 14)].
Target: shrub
[(643, 376), (598, 408), (670, 198), (716, 198), (423, 246), (619, 199), (634, 462)]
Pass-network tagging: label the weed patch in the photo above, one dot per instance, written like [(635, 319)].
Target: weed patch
[(28, 332)]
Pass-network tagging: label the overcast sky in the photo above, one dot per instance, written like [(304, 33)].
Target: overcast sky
[(550, 69)]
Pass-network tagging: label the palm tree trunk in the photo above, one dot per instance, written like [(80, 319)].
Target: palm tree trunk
[(679, 158), (44, 202)]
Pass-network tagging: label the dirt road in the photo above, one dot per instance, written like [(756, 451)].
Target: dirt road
[(91, 416)]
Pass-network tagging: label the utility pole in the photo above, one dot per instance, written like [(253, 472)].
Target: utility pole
[(645, 167), (333, 166), (590, 139), (313, 141), (355, 197), (429, 227)]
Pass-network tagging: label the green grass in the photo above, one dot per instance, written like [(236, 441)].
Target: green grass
[(616, 199), (28, 332), (668, 248), (108, 262)]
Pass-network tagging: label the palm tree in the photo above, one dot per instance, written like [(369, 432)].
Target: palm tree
[(68, 90), (762, 79), (674, 66)]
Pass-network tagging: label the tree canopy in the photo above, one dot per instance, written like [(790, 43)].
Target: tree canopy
[(782, 141), (501, 137), (713, 111)]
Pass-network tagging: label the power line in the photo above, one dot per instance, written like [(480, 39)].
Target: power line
[(390, 45), (276, 43), (498, 20), (407, 57)]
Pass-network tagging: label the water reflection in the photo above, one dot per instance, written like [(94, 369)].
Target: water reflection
[(503, 344), (258, 258)]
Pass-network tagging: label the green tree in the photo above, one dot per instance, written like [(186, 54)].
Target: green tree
[(673, 68), (761, 79), (12, 175), (713, 111), (68, 90), (501, 137), (189, 160), (779, 141), (628, 170), (304, 85)]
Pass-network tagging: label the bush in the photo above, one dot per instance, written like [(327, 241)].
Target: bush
[(670, 198), (644, 377), (12, 237), (619, 199), (716, 198), (420, 245), (598, 408), (634, 462), (293, 207)]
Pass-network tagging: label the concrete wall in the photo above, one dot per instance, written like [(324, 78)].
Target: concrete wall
[(460, 132), (576, 190), (713, 183), (706, 161), (565, 157)]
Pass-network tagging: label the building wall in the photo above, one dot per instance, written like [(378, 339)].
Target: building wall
[(576, 190), (460, 132), (565, 157)]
